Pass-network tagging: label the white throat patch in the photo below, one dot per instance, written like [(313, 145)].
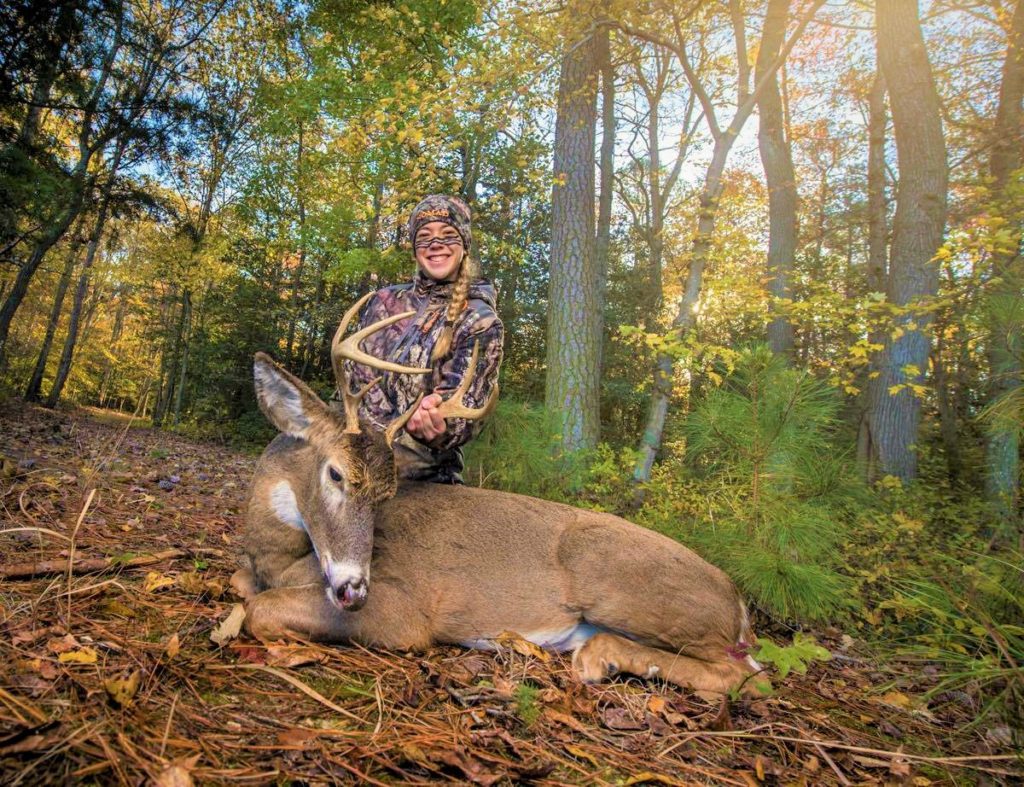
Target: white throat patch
[(286, 507)]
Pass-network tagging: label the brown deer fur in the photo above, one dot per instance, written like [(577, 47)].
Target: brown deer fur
[(456, 564)]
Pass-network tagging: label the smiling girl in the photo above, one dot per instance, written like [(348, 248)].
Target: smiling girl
[(455, 309)]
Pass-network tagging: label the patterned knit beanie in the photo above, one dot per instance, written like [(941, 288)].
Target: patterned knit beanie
[(438, 207)]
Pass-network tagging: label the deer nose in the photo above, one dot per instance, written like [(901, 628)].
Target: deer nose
[(347, 585), (353, 596)]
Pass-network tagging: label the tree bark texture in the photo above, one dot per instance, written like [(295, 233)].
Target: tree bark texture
[(777, 159), (878, 252), (78, 188), (607, 156), (67, 354), (1006, 342), (575, 289), (33, 392), (650, 441), (917, 233)]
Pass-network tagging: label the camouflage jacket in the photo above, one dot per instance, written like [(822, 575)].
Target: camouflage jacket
[(410, 342)]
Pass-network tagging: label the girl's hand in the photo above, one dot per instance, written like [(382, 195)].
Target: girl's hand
[(426, 423)]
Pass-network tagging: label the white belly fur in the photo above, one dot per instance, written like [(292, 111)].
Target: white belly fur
[(558, 640)]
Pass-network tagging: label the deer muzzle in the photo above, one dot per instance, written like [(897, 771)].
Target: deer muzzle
[(347, 584)]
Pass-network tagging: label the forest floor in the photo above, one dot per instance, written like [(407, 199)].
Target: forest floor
[(108, 673)]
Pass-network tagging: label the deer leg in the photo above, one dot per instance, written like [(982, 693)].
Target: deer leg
[(606, 654), (295, 613), (304, 612)]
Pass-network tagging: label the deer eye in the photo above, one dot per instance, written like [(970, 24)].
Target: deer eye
[(334, 474)]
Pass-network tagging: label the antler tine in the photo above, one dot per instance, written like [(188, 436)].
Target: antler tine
[(453, 407), (395, 426), (342, 348)]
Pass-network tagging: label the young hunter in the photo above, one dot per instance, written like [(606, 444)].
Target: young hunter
[(454, 310)]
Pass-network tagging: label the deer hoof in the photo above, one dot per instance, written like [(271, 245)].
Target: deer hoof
[(244, 584), (591, 667)]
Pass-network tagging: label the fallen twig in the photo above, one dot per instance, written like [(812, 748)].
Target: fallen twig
[(295, 682), (86, 566)]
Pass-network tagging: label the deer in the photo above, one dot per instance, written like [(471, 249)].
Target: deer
[(341, 551)]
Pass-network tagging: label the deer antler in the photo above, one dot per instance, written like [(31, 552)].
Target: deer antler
[(342, 348), (453, 406)]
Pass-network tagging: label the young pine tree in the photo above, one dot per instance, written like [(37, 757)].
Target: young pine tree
[(762, 437)]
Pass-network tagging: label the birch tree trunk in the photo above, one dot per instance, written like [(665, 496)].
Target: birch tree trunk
[(67, 354)]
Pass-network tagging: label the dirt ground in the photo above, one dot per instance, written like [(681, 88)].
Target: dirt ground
[(109, 675)]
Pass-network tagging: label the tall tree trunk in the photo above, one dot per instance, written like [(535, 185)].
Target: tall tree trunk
[(171, 364), (777, 159), (297, 278), (602, 242), (575, 291), (1006, 343), (115, 338), (650, 441), (33, 392), (895, 410), (947, 408), (79, 185), (186, 345), (878, 255), (67, 354)]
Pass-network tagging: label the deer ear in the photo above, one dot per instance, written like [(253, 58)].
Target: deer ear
[(287, 402)]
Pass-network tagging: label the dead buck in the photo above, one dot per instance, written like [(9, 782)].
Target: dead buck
[(461, 565)]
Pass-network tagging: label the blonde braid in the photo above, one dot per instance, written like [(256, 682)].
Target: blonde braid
[(460, 294)]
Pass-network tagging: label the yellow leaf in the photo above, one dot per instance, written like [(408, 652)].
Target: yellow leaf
[(83, 656), (155, 581), (656, 704), (896, 698), (123, 690), (511, 639), (173, 646)]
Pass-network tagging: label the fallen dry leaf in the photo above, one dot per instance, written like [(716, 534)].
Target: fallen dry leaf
[(123, 690), (62, 644), (293, 656), (620, 719), (230, 627), (83, 656), (656, 704), (510, 639), (895, 698), (173, 646), (178, 773), (155, 581)]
